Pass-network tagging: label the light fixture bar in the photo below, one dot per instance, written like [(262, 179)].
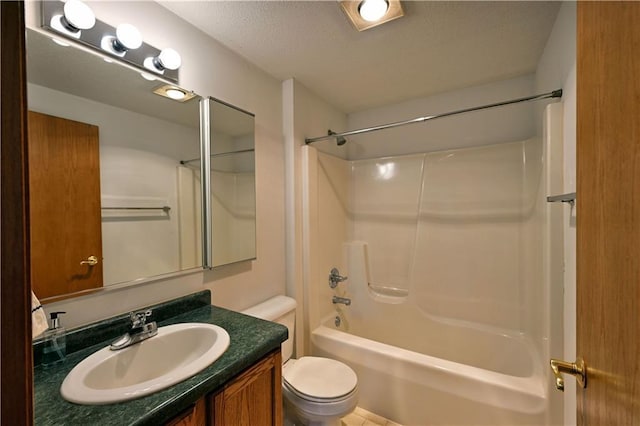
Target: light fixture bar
[(93, 38)]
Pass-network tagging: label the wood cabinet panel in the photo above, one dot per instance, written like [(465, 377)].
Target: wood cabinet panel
[(254, 398), (194, 416)]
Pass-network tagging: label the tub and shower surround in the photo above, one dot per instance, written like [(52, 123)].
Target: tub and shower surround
[(443, 253)]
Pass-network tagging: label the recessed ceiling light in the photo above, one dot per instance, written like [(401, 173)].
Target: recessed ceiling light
[(373, 10), (367, 14), (174, 92)]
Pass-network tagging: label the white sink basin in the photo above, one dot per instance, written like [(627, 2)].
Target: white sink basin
[(176, 353)]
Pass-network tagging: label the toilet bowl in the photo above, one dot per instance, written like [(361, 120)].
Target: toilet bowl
[(316, 391)]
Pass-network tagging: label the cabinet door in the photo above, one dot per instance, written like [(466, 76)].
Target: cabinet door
[(254, 398), (194, 416)]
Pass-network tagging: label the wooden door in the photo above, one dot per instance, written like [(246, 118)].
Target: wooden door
[(16, 391), (608, 199), (64, 194)]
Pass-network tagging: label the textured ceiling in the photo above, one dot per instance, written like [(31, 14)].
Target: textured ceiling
[(435, 47)]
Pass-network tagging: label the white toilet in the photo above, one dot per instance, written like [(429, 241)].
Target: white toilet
[(316, 391)]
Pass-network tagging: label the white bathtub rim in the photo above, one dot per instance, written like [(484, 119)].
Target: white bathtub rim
[(521, 394)]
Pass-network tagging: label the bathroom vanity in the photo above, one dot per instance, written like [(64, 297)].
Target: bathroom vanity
[(253, 398), (242, 387)]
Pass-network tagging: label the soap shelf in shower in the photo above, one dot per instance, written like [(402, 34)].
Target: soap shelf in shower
[(387, 294)]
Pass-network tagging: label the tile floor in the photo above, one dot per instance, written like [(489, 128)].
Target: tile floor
[(361, 417)]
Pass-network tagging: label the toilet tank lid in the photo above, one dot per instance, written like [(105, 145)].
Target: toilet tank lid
[(272, 309)]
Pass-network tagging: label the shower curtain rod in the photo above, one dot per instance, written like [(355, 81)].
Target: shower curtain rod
[(332, 135)]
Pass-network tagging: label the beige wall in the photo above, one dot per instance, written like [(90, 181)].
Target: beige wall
[(304, 115), (209, 69)]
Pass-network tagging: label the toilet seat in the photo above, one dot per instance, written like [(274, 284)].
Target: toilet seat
[(320, 380)]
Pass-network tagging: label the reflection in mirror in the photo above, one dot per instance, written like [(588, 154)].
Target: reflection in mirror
[(233, 188), (110, 202)]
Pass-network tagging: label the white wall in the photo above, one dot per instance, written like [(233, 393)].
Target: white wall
[(557, 69), (209, 69)]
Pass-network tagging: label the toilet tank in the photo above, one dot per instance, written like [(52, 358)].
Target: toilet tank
[(280, 309)]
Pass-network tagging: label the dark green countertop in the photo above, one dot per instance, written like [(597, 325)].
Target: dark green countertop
[(251, 340)]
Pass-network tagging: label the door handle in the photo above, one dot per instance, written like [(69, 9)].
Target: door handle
[(577, 369), (91, 261)]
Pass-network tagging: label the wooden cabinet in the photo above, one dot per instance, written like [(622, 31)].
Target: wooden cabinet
[(195, 415), (254, 398)]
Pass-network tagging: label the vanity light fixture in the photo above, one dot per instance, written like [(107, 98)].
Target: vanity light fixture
[(168, 59), (365, 14), (76, 17), (174, 92), (73, 20), (127, 38)]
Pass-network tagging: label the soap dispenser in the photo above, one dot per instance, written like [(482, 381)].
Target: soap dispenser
[(55, 341)]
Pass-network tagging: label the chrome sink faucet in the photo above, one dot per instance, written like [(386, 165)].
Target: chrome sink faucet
[(140, 330)]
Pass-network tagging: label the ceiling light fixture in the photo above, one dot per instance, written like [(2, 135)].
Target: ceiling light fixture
[(373, 10), (174, 92), (127, 38), (367, 14), (76, 16), (168, 59)]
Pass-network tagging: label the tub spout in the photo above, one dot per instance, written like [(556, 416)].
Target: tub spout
[(344, 300)]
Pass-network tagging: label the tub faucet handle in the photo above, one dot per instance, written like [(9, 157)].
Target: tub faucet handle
[(335, 278), (342, 300)]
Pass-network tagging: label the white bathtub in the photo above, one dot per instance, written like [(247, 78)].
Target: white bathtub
[(417, 389)]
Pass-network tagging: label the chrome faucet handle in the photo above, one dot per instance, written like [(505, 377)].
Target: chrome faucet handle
[(335, 278), (342, 300), (138, 319)]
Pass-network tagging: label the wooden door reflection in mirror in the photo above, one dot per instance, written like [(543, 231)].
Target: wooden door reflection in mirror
[(147, 203)]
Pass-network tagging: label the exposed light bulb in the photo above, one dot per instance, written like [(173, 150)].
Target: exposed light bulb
[(127, 37), (168, 59), (79, 15), (373, 10)]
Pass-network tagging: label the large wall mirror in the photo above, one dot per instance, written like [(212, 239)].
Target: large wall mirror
[(233, 191), (115, 193)]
